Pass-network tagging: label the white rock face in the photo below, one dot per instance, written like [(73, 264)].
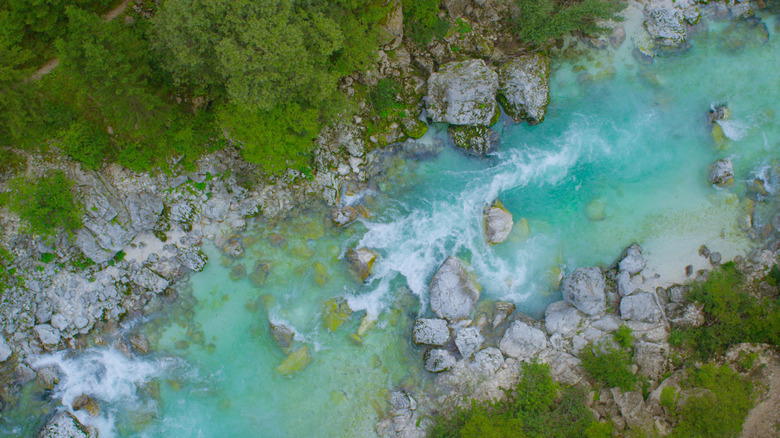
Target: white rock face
[(524, 87), (468, 340), (463, 93), (430, 331), (454, 290), (522, 341), (561, 317), (498, 224), (585, 289), (48, 335), (640, 306)]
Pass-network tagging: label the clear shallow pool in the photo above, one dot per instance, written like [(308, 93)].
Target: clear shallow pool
[(632, 151)]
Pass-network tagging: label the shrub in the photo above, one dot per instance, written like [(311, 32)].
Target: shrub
[(421, 21), (721, 409), (624, 336), (86, 144), (543, 21), (383, 95), (46, 205), (609, 366)]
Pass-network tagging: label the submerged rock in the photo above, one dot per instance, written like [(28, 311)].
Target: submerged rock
[(259, 274), (87, 404), (430, 331), (438, 360), (522, 341), (238, 272), (283, 335), (454, 290), (360, 262), (342, 216), (524, 87), (463, 93), (65, 425), (295, 362), (721, 172), (498, 223), (585, 288), (334, 312), (596, 210)]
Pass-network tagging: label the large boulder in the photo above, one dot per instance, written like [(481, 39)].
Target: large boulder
[(360, 262), (463, 93), (468, 340), (561, 317), (585, 289), (439, 360), (640, 306), (633, 262), (65, 425), (430, 331), (522, 341), (454, 290), (524, 87), (48, 335), (498, 223)]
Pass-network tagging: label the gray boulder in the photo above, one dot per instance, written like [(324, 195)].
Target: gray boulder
[(360, 262), (48, 335), (430, 331), (524, 87), (640, 306), (721, 172), (522, 341), (454, 290), (685, 315), (65, 425), (633, 262), (498, 223), (439, 360), (478, 140), (488, 361), (632, 408), (561, 317), (342, 216), (5, 349), (651, 358), (585, 289), (463, 93), (468, 340), (665, 23)]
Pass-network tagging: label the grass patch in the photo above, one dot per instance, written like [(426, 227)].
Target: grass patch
[(609, 366), (46, 205)]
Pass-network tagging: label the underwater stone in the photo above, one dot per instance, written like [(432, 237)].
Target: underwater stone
[(140, 342), (498, 223), (334, 312), (596, 210), (283, 335), (295, 362), (237, 272), (321, 276), (585, 289), (234, 249), (259, 274), (360, 262), (430, 331), (524, 88), (438, 360), (722, 172), (454, 290)]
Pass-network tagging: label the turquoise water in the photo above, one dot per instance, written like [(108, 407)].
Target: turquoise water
[(619, 159)]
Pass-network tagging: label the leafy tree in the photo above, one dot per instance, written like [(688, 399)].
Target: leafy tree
[(46, 205), (542, 21), (85, 143)]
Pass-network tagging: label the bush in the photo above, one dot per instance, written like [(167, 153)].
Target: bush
[(421, 21), (543, 21), (536, 407), (721, 409), (609, 366), (383, 95), (86, 144), (732, 316), (46, 205), (624, 336)]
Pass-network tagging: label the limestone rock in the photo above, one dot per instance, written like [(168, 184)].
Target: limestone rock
[(478, 140), (651, 358), (685, 315), (633, 262), (585, 289), (640, 307), (524, 87), (259, 274), (5, 349), (488, 361), (342, 216), (438, 360), (561, 317), (335, 312), (65, 425), (522, 341), (632, 408), (503, 310), (87, 404), (722, 172), (453, 290), (430, 331), (360, 262), (140, 342), (468, 340), (463, 93), (48, 335), (665, 23), (498, 223)]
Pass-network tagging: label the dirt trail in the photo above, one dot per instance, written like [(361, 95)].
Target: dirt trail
[(54, 62)]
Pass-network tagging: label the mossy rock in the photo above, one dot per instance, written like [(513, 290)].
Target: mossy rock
[(321, 276), (721, 141), (295, 362), (413, 127), (478, 140), (238, 272), (335, 311), (259, 274)]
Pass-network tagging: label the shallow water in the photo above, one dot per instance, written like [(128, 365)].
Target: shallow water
[(631, 150)]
